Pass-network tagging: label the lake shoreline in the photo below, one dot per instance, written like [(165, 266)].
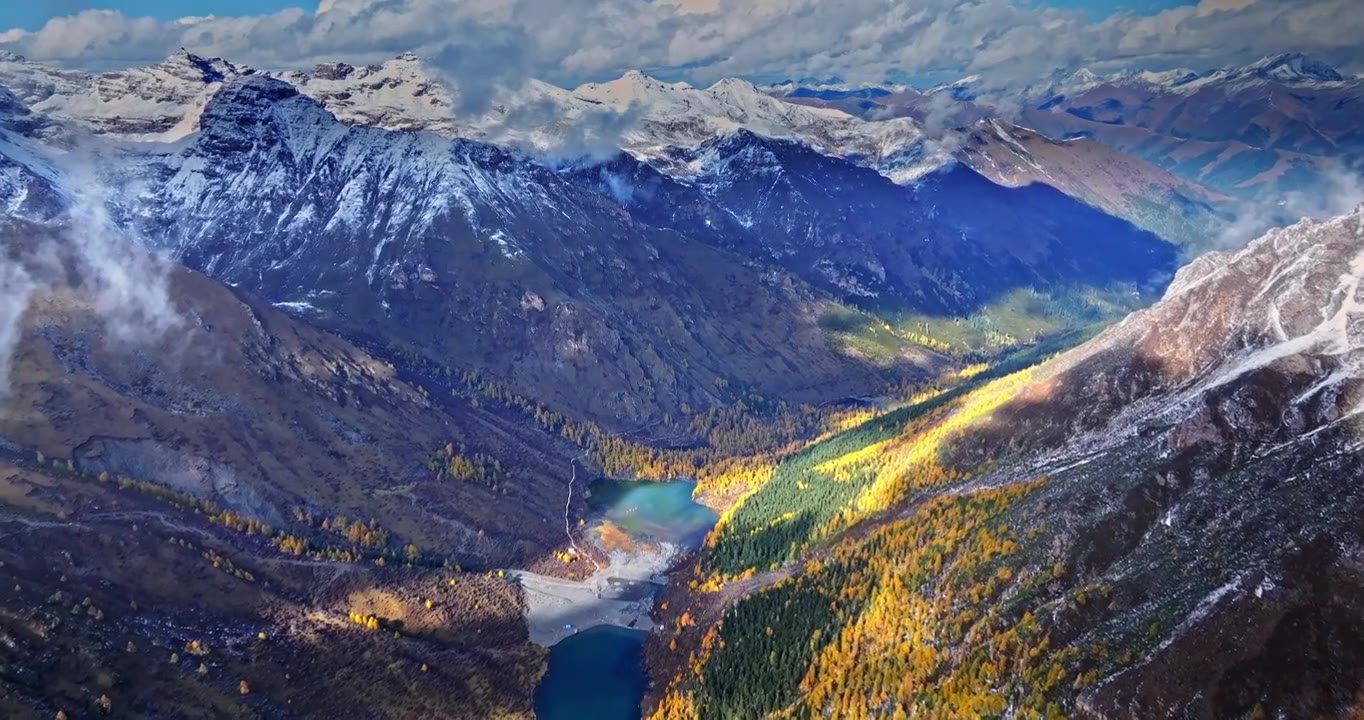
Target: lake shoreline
[(621, 593), (643, 529), (597, 628)]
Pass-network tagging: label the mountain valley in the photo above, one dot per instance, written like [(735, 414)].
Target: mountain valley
[(340, 393)]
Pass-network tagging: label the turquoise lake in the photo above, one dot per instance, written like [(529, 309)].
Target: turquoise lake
[(598, 674), (658, 512)]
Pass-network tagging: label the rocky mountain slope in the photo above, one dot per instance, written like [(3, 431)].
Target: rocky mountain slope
[(641, 114), (423, 243), (638, 113), (880, 244), (647, 117), (677, 115), (221, 397), (1120, 184), (117, 603), (156, 102), (372, 223), (1284, 101), (1285, 123), (207, 505), (1256, 425), (1136, 528)]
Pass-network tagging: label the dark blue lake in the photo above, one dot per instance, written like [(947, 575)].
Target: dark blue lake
[(597, 674)]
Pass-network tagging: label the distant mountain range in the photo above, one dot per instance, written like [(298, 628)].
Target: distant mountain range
[(639, 114), (1282, 123)]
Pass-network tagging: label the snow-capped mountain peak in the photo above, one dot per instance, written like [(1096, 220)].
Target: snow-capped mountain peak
[(190, 67), (632, 88), (677, 114), (1085, 76), (1292, 68), (733, 85), (637, 113), (399, 94), (159, 102)]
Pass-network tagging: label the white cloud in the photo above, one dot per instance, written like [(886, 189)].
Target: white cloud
[(689, 7), (569, 41), (1339, 192), (1207, 7)]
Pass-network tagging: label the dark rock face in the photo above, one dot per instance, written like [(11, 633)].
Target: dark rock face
[(29, 187)]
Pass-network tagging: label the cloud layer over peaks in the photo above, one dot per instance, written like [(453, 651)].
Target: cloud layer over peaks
[(484, 43)]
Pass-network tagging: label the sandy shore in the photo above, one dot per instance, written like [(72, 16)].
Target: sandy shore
[(621, 594)]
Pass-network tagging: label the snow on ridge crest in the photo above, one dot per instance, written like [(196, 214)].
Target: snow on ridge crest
[(636, 113), (155, 103), (1282, 242)]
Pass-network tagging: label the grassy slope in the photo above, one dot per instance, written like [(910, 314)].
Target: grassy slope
[(1020, 317)]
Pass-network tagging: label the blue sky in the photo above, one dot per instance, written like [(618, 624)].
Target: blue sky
[(31, 15), (1102, 8)]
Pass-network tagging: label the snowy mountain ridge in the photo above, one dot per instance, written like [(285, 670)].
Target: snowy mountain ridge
[(157, 103), (163, 103), (1295, 293), (679, 115), (1291, 69)]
